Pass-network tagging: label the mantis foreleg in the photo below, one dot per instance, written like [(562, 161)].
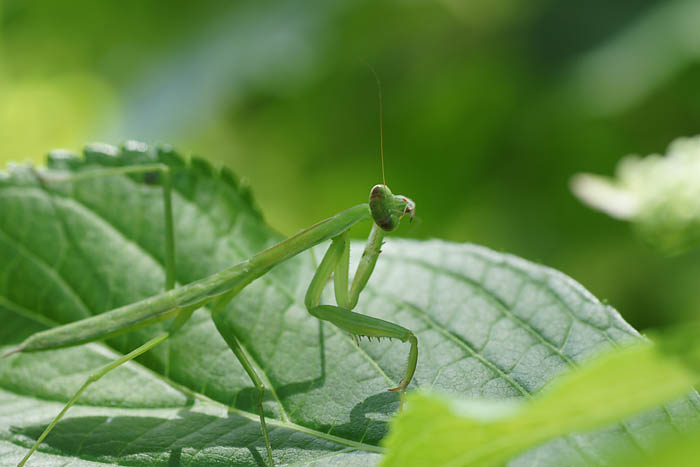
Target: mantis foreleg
[(337, 259)]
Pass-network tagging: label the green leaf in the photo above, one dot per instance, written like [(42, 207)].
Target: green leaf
[(488, 324), (455, 431), (683, 451)]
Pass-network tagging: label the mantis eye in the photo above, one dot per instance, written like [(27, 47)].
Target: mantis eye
[(380, 206)]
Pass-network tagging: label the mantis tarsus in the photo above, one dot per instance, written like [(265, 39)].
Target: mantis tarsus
[(384, 209)]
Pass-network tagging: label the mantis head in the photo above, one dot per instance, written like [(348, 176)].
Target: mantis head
[(387, 208)]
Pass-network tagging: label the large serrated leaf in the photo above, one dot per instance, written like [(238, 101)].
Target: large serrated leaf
[(488, 324)]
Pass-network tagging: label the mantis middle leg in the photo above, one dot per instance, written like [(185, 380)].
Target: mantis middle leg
[(235, 346)]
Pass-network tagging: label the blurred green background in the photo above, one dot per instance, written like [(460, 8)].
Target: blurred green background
[(489, 108)]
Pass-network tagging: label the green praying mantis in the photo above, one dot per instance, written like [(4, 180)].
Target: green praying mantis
[(177, 304)]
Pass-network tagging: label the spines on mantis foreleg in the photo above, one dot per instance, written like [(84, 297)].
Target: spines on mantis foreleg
[(359, 325)]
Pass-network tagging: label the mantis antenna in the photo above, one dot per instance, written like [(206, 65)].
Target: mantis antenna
[(381, 131)]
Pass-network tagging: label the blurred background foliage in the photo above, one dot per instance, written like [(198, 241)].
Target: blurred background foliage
[(489, 108)]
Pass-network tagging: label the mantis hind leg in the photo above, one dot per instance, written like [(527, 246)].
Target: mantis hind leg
[(91, 379), (235, 346)]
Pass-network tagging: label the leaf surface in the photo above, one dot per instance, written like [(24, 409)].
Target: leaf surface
[(488, 324), (449, 430)]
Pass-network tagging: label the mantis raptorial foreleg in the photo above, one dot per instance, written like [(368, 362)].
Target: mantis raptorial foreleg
[(178, 303), (337, 259)]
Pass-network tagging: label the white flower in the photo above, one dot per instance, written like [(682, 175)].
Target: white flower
[(660, 194)]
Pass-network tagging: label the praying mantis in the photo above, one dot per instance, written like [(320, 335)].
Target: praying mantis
[(176, 304)]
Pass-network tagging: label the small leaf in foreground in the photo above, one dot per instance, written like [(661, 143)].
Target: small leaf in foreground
[(462, 432)]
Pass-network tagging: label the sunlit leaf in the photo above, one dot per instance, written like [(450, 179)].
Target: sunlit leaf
[(488, 324)]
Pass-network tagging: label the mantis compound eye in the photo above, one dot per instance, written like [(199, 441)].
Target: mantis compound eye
[(388, 209)]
